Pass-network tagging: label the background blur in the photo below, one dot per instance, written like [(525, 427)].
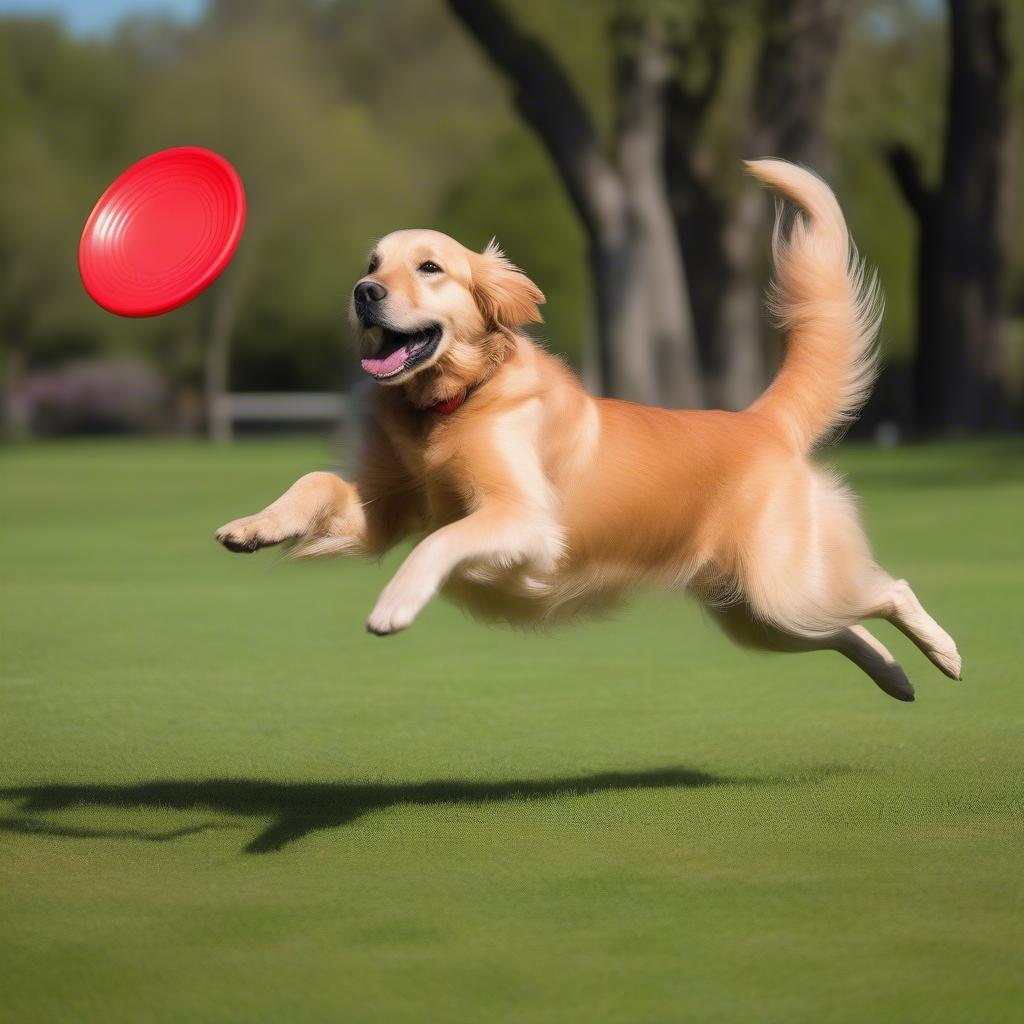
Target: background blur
[(599, 141)]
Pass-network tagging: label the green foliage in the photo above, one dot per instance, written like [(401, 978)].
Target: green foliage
[(348, 120), (333, 152), (902, 45), (57, 117), (304, 154), (488, 202)]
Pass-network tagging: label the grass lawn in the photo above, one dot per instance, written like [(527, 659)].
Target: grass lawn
[(221, 800)]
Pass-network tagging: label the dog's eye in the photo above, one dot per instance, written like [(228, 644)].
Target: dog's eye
[(373, 264), (430, 267)]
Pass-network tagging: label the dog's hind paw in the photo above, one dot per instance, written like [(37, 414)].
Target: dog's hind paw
[(947, 660)]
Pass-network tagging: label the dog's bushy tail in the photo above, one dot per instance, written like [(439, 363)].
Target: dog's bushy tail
[(829, 308)]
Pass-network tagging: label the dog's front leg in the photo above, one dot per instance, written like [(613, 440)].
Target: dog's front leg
[(320, 511), (502, 535)]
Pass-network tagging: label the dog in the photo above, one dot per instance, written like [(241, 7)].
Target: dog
[(538, 503)]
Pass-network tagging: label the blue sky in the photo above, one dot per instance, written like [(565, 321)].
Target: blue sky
[(97, 17)]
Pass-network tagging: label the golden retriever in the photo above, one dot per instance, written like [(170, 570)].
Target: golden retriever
[(536, 502)]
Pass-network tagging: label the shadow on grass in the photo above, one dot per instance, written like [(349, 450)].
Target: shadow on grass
[(299, 808), (31, 826)]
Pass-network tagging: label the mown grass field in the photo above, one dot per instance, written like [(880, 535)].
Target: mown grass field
[(221, 800)]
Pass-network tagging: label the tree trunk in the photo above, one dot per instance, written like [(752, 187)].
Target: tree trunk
[(725, 246), (15, 423), (217, 358), (932, 360), (960, 372), (638, 341), (655, 341), (16, 329), (974, 216)]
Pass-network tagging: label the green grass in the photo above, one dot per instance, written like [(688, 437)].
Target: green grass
[(224, 801)]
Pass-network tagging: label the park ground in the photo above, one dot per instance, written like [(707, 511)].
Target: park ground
[(221, 800)]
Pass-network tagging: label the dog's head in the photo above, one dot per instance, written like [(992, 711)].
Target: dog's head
[(436, 316)]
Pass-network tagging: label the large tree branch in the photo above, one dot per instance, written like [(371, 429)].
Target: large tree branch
[(640, 74), (721, 228), (548, 102), (698, 56), (698, 59), (800, 41)]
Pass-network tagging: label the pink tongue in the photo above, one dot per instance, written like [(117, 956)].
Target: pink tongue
[(387, 365)]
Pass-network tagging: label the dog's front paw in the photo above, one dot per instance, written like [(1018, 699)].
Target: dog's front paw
[(252, 532), (395, 610)]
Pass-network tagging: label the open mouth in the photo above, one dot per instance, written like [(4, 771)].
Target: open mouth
[(400, 351)]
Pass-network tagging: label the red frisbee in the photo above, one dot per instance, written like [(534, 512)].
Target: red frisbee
[(163, 232)]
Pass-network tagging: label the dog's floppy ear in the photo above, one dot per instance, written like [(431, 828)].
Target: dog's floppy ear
[(505, 295)]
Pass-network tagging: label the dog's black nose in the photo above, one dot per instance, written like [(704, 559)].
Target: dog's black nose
[(370, 291)]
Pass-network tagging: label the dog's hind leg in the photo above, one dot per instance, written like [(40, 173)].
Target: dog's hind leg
[(854, 642), (900, 606), (868, 653), (810, 573)]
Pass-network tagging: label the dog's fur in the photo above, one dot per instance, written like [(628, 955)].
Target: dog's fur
[(537, 502)]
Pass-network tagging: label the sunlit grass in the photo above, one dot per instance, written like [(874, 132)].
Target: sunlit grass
[(225, 801)]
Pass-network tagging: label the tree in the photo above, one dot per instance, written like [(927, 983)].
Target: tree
[(30, 271), (663, 231), (724, 231), (960, 372), (644, 327), (55, 101), (253, 92)]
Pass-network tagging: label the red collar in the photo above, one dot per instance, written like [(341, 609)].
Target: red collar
[(449, 405)]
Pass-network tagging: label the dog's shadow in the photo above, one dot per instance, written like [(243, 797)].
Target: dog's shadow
[(298, 808)]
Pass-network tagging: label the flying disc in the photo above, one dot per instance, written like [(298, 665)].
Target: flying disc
[(162, 232)]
